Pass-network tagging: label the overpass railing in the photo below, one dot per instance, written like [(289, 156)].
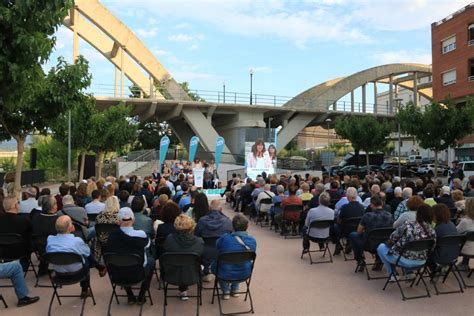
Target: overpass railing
[(241, 98)]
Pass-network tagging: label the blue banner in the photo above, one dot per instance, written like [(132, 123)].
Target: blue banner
[(164, 144), (193, 146), (220, 143)]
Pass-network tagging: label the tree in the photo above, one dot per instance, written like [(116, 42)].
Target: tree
[(115, 130), (439, 126), (149, 135), (364, 132), (29, 99), (193, 95)]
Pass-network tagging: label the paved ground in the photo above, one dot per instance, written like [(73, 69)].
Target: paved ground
[(283, 284)]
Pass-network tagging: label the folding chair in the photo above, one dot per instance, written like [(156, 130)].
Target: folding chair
[(469, 238), (425, 245), (348, 226), (78, 232), (124, 270), (3, 300), (291, 216), (92, 217), (374, 238), (272, 223), (14, 247), (181, 268), (263, 217), (319, 224), (102, 232), (39, 245), (58, 279), (455, 241), (237, 258)]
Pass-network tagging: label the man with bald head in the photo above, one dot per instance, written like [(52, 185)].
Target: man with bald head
[(374, 190), (213, 224), (65, 241)]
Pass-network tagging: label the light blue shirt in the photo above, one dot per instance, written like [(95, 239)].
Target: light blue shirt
[(185, 200), (343, 201), (67, 243)]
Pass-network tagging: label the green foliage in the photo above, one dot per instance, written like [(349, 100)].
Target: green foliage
[(194, 96), (7, 164), (439, 126), (149, 135)]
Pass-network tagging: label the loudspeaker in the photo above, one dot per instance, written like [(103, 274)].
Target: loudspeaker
[(89, 166), (33, 156)]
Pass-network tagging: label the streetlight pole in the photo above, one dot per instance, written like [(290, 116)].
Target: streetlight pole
[(329, 122), (69, 147), (251, 82), (397, 102), (223, 88)]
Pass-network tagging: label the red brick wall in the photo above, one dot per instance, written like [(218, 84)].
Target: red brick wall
[(457, 58)]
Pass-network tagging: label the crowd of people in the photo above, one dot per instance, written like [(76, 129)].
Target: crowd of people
[(416, 209), (154, 216)]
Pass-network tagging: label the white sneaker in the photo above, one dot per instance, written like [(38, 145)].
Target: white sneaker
[(392, 279), (208, 278), (234, 294), (226, 296), (183, 295)]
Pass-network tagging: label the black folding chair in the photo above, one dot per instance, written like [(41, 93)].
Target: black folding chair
[(374, 238), (263, 217), (424, 245), (3, 300), (78, 231), (449, 263), (348, 226), (39, 246), (59, 279), (319, 224), (272, 222), (291, 216), (102, 232), (92, 217), (124, 270), (469, 238), (181, 269), (235, 258), (15, 247)]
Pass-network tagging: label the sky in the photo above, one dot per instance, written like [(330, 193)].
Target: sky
[(290, 45)]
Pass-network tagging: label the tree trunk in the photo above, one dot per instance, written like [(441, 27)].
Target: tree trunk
[(81, 169), (100, 160), (367, 161), (436, 163), (20, 147)]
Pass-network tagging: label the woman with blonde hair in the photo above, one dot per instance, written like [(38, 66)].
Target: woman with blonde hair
[(107, 216), (91, 186), (466, 224)]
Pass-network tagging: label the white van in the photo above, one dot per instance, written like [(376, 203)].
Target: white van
[(467, 168), (415, 159)]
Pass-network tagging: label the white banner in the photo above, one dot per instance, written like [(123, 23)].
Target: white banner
[(252, 173)]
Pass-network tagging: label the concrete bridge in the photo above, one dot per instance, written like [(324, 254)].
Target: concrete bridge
[(163, 99)]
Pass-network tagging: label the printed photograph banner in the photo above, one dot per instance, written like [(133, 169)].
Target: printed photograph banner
[(198, 177)]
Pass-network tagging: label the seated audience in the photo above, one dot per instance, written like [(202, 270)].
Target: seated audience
[(26, 206), (239, 240), (168, 215), (322, 212), (292, 199), (265, 194), (128, 240), (445, 198), (183, 240), (412, 205), (95, 206), (141, 221), (402, 207), (12, 270), (107, 216), (466, 224)]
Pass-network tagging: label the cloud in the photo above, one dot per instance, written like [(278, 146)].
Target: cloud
[(160, 52), (261, 69), (403, 56), (146, 33), (184, 38), (194, 47)]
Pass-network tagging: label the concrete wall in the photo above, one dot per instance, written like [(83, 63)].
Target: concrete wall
[(128, 167)]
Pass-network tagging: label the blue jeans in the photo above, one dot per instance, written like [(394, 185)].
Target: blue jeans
[(389, 259), (14, 272), (229, 287)]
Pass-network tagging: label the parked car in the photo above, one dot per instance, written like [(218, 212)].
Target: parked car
[(403, 160), (429, 169), (392, 169), (333, 170), (467, 168)]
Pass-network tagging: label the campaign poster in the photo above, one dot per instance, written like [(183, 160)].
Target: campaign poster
[(260, 157), (198, 177)]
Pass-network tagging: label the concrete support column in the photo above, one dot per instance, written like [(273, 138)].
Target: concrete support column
[(122, 72), (116, 82), (375, 97), (390, 94), (415, 88), (364, 98), (152, 88), (75, 38), (352, 101)]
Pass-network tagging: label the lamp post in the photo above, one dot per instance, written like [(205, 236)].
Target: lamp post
[(397, 102), (329, 122), (251, 82), (223, 88)]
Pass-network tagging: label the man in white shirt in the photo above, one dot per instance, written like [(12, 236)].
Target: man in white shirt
[(320, 213), (26, 206), (266, 194), (95, 206)]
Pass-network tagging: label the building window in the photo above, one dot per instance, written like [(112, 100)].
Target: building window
[(449, 44), (449, 77), (471, 70), (470, 35)]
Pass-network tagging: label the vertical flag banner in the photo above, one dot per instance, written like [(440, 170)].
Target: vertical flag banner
[(193, 146), (220, 142), (164, 144)]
